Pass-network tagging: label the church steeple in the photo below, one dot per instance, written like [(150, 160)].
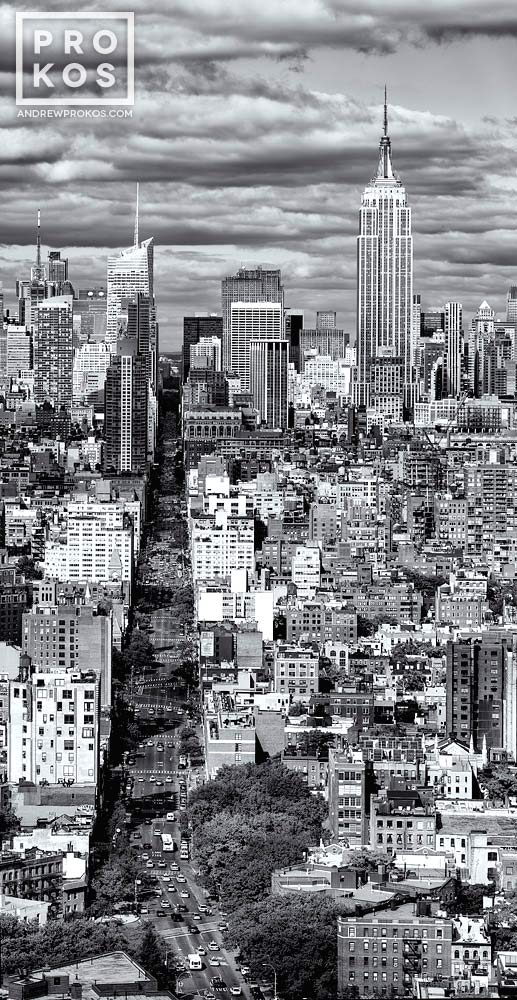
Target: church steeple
[(385, 169)]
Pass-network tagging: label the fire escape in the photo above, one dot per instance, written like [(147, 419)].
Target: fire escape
[(411, 960)]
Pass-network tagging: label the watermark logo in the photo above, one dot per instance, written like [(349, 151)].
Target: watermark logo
[(75, 58)]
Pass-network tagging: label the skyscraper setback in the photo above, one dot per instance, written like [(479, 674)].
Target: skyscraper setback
[(129, 273), (384, 276)]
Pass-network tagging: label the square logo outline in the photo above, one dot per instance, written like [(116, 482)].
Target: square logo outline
[(125, 15)]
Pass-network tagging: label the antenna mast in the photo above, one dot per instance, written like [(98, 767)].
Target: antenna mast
[(136, 213)]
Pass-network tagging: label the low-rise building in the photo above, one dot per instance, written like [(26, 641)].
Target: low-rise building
[(383, 951)]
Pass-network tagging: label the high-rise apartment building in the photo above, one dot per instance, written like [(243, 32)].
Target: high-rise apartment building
[(53, 352), (196, 328), (53, 728), (257, 284), (384, 274), (126, 397), (15, 350), (269, 361), (481, 682), (453, 347), (252, 321), (70, 637), (98, 546), (221, 543)]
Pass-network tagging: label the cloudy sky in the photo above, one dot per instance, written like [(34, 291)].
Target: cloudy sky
[(254, 130)]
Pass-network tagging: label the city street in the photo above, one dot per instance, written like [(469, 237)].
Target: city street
[(158, 699)]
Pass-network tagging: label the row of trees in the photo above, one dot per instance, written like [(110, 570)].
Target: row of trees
[(249, 821), (61, 942)]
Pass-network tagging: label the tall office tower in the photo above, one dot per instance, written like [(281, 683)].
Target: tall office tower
[(247, 285), (252, 321), (453, 347), (511, 306), (30, 292), (326, 319), (53, 352), (57, 268), (130, 272), (1, 303), (481, 678), (126, 409), (269, 361), (91, 362), (196, 327), (139, 328), (384, 273), (19, 359), (293, 321)]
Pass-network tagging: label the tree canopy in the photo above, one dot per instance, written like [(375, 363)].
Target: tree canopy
[(499, 781), (298, 936), (28, 946)]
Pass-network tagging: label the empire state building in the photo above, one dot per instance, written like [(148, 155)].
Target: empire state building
[(384, 289)]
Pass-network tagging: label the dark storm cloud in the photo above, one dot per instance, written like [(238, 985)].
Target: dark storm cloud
[(241, 161)]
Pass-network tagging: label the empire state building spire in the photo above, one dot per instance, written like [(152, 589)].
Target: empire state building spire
[(385, 169), (384, 290)]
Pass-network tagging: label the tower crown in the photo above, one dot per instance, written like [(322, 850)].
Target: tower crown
[(385, 168)]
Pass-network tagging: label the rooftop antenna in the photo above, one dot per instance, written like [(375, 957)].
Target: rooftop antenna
[(38, 242), (385, 110), (37, 270), (136, 213)]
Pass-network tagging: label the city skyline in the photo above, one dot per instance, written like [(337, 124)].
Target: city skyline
[(280, 184)]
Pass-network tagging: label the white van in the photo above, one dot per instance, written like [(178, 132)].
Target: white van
[(194, 962), (171, 817)]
